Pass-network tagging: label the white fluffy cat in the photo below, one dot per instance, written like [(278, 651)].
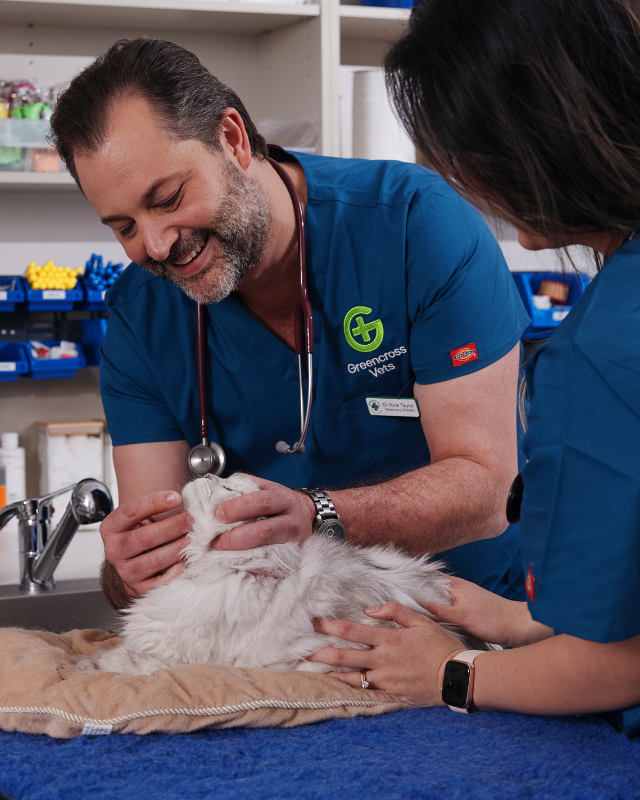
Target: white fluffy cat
[(255, 608)]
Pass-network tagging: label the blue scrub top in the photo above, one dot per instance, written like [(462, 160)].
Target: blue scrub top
[(417, 275), (581, 508)]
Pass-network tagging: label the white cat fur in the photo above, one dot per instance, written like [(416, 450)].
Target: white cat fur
[(255, 608)]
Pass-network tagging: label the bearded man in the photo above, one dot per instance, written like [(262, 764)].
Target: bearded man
[(411, 300)]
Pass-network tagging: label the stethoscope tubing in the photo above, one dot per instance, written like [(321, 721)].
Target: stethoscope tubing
[(303, 336)]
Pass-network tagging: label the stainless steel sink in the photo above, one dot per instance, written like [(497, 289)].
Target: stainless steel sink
[(72, 604)]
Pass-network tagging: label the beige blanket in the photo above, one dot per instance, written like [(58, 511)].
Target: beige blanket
[(43, 691)]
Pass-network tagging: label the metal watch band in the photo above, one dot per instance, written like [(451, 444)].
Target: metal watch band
[(327, 519)]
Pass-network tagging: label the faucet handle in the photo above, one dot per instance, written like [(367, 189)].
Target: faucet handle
[(9, 511), (91, 501)]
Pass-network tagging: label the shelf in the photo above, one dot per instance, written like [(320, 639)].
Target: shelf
[(177, 15), (36, 181), (372, 22)]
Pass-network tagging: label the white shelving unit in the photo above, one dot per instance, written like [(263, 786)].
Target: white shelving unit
[(36, 181)]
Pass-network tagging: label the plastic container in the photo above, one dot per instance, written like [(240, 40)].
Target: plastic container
[(14, 293), (12, 459), (93, 331), (13, 361), (389, 3), (544, 321), (93, 298), (55, 367), (51, 299)]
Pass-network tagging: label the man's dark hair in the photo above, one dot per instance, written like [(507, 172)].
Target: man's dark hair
[(185, 96), (530, 105)]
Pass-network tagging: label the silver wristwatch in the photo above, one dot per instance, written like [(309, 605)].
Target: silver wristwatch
[(327, 520)]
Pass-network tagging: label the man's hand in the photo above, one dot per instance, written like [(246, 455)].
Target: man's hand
[(489, 616), (407, 661), (146, 552), (288, 517)]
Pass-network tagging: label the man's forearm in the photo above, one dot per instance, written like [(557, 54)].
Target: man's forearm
[(431, 509), (560, 675)]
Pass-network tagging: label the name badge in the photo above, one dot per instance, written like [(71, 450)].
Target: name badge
[(393, 407)]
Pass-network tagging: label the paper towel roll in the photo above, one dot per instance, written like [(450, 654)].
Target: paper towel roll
[(377, 132)]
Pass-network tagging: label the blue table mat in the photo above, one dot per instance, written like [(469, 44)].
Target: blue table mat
[(422, 753)]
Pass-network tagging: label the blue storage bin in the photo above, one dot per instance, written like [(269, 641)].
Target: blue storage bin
[(93, 330), (11, 295), (55, 368), (93, 298), (92, 354), (51, 299), (389, 3), (544, 321), (13, 361)]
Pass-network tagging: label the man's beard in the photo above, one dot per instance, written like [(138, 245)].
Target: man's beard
[(242, 226)]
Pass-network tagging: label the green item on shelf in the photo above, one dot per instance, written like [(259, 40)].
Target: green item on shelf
[(33, 111), (11, 159)]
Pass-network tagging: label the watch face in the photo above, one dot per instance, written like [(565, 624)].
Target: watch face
[(455, 686), (331, 527)]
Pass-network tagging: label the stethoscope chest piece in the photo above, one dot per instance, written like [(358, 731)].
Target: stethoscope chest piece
[(207, 458)]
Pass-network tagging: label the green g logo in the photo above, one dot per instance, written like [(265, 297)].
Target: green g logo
[(363, 330)]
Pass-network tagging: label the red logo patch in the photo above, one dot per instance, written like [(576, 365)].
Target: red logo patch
[(530, 585), (462, 355)]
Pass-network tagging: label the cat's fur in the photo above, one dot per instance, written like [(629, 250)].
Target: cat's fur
[(255, 608)]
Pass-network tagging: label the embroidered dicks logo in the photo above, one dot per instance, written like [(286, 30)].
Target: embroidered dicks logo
[(462, 355), (530, 585), (354, 325)]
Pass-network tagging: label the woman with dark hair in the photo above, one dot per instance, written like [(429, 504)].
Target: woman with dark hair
[(531, 108)]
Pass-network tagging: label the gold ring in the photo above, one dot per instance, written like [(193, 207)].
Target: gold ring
[(363, 679)]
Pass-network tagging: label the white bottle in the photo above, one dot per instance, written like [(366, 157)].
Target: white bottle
[(13, 460)]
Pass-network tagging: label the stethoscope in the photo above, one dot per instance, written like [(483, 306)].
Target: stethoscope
[(209, 457)]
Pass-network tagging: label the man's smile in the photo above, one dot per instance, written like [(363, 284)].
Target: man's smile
[(194, 261)]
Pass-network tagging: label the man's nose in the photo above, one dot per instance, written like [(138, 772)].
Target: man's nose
[(158, 240)]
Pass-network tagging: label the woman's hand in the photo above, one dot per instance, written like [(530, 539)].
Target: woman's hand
[(288, 517), (489, 616), (407, 661)]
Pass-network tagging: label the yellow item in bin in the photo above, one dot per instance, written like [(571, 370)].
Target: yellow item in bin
[(51, 277)]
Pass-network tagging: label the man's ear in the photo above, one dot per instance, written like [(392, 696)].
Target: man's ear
[(234, 139)]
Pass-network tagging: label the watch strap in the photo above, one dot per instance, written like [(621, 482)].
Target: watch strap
[(325, 511), (467, 657)]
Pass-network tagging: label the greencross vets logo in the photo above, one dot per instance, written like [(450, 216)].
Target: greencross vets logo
[(354, 325)]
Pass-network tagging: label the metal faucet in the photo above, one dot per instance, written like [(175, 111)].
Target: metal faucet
[(40, 549)]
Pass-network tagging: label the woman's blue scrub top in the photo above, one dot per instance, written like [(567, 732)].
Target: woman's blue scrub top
[(580, 517), (416, 274)]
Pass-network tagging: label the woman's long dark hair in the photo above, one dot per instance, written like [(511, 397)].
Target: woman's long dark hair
[(531, 105)]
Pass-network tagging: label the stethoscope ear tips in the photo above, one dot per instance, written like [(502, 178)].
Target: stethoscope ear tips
[(283, 447)]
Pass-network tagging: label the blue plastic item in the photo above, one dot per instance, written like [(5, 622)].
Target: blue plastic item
[(51, 299), (13, 361), (389, 3), (9, 297), (93, 331), (544, 321), (97, 279), (93, 298), (55, 367)]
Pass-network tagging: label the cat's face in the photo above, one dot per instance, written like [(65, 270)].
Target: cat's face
[(203, 496)]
